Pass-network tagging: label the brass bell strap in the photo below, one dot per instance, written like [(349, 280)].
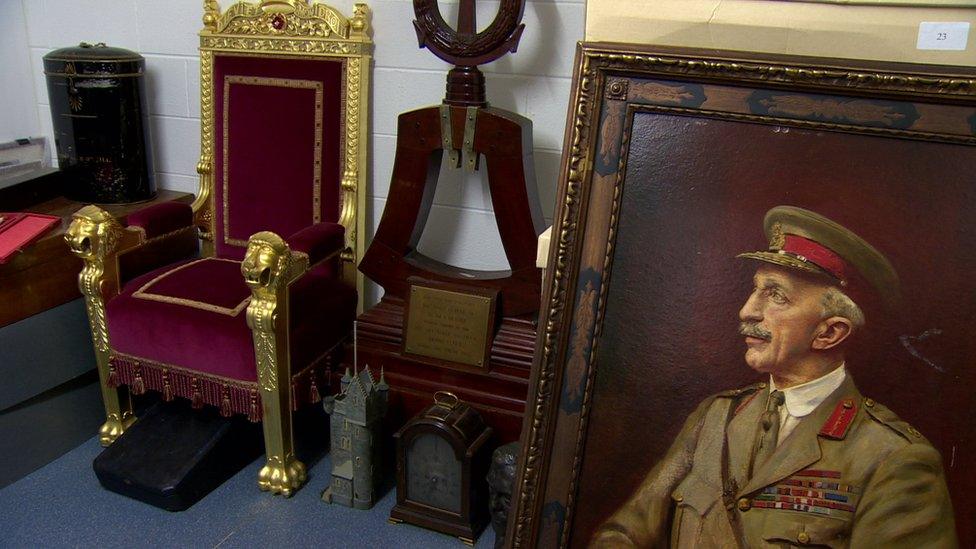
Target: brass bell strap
[(446, 137), (467, 154)]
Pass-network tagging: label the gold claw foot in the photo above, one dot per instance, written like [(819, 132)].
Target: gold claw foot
[(284, 479), (114, 427)]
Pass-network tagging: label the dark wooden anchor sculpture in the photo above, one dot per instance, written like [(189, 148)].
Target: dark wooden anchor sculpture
[(471, 133), (467, 129)]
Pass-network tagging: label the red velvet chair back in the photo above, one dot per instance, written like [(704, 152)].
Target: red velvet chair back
[(278, 141)]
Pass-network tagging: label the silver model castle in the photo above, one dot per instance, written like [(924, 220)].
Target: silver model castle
[(356, 423)]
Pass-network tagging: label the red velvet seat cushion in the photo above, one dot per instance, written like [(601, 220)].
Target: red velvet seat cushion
[(192, 315)]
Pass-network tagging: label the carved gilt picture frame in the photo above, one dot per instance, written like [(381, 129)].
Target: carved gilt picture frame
[(672, 157)]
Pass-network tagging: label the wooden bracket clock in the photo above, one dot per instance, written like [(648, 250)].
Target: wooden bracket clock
[(442, 464), (441, 327)]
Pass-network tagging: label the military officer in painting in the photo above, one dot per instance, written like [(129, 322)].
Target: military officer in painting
[(804, 459)]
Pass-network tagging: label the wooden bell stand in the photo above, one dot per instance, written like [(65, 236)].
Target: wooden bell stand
[(468, 130)]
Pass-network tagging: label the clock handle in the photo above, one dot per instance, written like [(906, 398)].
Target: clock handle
[(446, 399)]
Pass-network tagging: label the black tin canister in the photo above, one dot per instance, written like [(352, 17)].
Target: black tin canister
[(101, 123)]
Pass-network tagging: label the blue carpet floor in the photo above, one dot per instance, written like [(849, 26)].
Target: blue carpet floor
[(63, 505)]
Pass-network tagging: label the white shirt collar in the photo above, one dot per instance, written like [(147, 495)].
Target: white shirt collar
[(804, 398)]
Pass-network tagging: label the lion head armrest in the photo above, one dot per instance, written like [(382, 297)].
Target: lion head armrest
[(161, 219), (319, 241), (154, 236)]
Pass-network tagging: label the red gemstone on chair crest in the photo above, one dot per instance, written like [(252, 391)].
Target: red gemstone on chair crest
[(278, 21)]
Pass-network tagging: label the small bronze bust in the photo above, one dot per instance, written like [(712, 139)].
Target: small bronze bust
[(501, 483)]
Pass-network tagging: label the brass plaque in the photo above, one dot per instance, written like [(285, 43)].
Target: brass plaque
[(452, 326)]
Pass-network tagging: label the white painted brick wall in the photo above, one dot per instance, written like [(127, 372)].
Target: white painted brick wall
[(534, 82), (18, 112), (166, 77)]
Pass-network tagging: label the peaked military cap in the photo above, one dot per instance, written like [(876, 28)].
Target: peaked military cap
[(807, 241)]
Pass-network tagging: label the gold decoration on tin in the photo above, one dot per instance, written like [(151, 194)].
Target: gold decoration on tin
[(74, 102), (94, 236), (268, 268)]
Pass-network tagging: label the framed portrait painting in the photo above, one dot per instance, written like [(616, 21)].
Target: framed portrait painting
[(759, 326)]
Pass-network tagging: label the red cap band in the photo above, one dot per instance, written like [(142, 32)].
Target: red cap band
[(816, 253)]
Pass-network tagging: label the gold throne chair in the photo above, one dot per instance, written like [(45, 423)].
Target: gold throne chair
[(244, 300)]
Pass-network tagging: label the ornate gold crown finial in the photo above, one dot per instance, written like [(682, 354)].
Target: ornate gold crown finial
[(360, 18), (211, 14)]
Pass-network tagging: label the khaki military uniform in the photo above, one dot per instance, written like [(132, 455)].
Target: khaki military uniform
[(851, 474)]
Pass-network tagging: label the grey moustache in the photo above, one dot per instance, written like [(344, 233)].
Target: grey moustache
[(752, 329)]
